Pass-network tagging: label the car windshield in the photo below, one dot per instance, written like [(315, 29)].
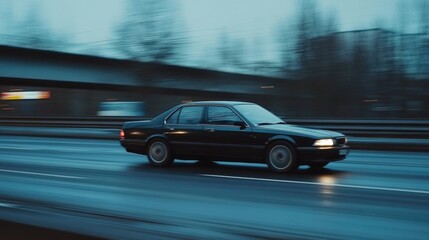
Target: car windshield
[(258, 115)]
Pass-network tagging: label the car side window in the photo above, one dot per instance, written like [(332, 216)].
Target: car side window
[(173, 117), (191, 115), (221, 116)]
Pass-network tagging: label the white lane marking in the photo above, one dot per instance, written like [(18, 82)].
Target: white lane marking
[(8, 205), (41, 174), (319, 184)]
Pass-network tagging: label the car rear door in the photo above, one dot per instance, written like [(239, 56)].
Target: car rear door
[(184, 130)]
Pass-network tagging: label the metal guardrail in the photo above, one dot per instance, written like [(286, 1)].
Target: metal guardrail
[(81, 122), (370, 128), (361, 128)]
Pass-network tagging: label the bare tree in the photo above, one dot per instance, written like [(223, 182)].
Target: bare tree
[(150, 31), (423, 56), (318, 55), (31, 31), (307, 28), (231, 51), (5, 12), (287, 41), (423, 10), (312, 32)]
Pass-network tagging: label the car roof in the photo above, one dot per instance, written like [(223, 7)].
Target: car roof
[(229, 103)]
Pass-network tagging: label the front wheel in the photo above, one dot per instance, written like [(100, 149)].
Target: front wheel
[(281, 157), (159, 153)]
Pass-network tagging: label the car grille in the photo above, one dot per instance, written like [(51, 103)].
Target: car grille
[(341, 141)]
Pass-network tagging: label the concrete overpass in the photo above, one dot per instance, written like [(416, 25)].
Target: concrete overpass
[(48, 68), (40, 68)]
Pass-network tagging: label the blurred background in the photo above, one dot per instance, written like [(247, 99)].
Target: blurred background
[(300, 58), (72, 71)]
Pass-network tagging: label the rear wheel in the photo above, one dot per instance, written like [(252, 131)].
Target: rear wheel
[(281, 157), (317, 165), (159, 153)]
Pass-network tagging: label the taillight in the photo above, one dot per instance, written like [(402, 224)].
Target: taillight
[(122, 134)]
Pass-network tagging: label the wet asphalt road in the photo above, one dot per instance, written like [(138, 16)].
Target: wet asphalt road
[(94, 187)]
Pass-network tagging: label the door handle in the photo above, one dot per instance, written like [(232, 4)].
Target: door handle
[(209, 129)]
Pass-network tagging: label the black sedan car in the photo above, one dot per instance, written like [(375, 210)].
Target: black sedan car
[(231, 131)]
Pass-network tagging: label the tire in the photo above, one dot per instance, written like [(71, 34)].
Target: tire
[(159, 153), (317, 165), (281, 157)]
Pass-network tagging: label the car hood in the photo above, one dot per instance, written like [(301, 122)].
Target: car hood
[(296, 130)]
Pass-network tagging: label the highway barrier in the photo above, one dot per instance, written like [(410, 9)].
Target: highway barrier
[(362, 128), (408, 135)]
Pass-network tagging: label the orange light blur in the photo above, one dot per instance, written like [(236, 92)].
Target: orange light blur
[(29, 95), (122, 134)]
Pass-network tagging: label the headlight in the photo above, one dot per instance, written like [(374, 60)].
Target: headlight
[(324, 143)]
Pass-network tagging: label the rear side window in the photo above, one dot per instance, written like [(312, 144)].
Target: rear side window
[(191, 115)]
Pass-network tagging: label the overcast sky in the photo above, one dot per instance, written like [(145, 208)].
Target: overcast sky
[(91, 22)]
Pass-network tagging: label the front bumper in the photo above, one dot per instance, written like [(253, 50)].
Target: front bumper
[(322, 154)]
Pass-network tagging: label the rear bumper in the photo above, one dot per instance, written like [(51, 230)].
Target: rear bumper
[(133, 145), (322, 154)]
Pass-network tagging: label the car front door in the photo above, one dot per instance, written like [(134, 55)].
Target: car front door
[(224, 138)]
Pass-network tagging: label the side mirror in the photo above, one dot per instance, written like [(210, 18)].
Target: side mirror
[(240, 124)]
